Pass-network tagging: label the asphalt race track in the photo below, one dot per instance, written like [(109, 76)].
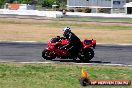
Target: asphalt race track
[(31, 52)]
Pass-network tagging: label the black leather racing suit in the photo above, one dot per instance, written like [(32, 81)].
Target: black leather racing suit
[(74, 44)]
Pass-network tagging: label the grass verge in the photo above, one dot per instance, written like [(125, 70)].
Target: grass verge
[(12, 29), (99, 19), (57, 75)]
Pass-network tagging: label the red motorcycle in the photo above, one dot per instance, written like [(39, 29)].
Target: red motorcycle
[(86, 53)]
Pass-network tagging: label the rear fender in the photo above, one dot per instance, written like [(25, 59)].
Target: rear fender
[(93, 43), (89, 43), (87, 46)]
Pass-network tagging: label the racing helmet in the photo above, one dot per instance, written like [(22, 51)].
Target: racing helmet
[(67, 31)]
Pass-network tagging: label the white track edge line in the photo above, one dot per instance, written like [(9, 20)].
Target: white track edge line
[(68, 63), (103, 64)]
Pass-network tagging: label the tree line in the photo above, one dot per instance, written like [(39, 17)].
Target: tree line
[(42, 3)]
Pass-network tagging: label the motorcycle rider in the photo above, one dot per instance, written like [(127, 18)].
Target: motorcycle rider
[(74, 43)]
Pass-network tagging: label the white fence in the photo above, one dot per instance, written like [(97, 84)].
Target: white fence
[(53, 14), (57, 14)]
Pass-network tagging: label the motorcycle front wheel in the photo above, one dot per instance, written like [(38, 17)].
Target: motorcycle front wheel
[(46, 54)]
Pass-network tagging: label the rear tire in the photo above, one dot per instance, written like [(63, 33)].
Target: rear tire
[(86, 55), (47, 56)]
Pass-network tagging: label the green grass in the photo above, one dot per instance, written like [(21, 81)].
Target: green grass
[(57, 75), (88, 26), (62, 24)]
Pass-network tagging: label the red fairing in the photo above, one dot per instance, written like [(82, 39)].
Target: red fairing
[(59, 52), (64, 42)]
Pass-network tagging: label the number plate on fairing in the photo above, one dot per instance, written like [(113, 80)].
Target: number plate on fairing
[(87, 41)]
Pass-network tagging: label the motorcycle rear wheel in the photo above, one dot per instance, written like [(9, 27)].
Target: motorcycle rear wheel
[(86, 55), (47, 56)]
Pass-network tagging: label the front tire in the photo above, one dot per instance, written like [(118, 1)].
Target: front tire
[(46, 55)]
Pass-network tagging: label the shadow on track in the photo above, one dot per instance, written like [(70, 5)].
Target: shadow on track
[(78, 61)]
